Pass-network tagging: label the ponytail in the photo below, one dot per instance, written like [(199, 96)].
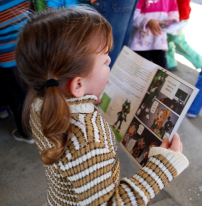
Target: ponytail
[(55, 119), (58, 44)]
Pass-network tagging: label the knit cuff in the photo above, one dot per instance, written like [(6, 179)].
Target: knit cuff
[(178, 160)]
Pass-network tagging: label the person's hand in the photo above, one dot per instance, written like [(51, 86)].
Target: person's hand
[(154, 27), (98, 101), (166, 23), (175, 145)]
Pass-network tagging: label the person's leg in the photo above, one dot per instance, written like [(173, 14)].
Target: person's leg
[(197, 103), (119, 13), (3, 89), (170, 54), (4, 112), (144, 54), (16, 96), (184, 49), (130, 26), (159, 57)]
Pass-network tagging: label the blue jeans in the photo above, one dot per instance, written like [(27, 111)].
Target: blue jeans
[(197, 103), (119, 13)]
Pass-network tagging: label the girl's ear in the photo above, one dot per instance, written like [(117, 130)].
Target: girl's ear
[(77, 87)]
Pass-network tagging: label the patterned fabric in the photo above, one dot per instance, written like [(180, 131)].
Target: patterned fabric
[(88, 172), (13, 16), (142, 39)]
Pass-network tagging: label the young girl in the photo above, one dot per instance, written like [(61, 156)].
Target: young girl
[(147, 39), (63, 57)]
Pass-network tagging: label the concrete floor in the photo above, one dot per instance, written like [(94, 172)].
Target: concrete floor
[(22, 179)]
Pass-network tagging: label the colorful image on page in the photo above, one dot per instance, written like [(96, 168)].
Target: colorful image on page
[(116, 112), (105, 102), (179, 100), (138, 140), (161, 119), (153, 93), (120, 118)]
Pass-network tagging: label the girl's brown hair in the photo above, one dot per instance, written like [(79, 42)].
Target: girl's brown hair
[(59, 44)]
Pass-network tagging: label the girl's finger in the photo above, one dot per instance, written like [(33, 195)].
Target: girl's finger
[(181, 147), (165, 143), (176, 145), (98, 101)]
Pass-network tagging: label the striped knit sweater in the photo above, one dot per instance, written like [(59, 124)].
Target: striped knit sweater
[(13, 15), (88, 172)]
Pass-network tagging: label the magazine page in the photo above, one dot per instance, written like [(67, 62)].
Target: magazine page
[(159, 114), (144, 103), (129, 80)]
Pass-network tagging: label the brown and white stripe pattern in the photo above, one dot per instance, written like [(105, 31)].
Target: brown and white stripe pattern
[(88, 172)]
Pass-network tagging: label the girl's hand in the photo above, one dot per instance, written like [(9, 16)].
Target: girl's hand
[(175, 145), (154, 27), (98, 101), (166, 23)]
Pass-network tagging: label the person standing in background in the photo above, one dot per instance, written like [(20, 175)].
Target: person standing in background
[(189, 53), (178, 41), (14, 14), (119, 13), (147, 38)]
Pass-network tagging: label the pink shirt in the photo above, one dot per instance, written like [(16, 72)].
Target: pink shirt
[(141, 38)]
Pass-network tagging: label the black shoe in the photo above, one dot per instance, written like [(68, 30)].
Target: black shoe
[(18, 137), (172, 69)]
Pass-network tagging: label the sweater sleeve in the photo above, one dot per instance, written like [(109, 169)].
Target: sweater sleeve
[(139, 19), (162, 167), (94, 169)]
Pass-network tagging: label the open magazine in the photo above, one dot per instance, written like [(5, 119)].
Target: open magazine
[(143, 103)]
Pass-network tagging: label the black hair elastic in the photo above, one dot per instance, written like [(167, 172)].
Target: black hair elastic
[(51, 83)]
